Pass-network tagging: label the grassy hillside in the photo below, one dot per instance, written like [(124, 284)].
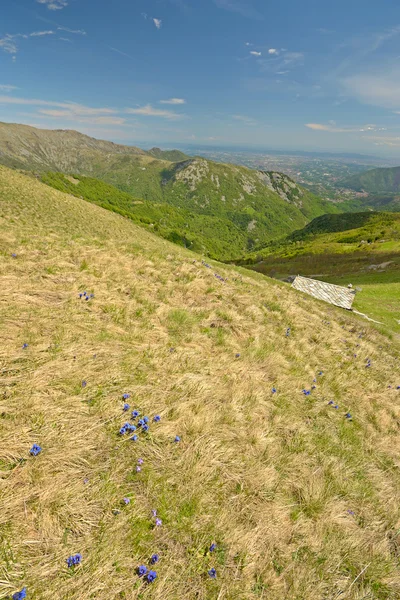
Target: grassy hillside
[(300, 501), (358, 248), (376, 181), (209, 235), (170, 155), (255, 206)]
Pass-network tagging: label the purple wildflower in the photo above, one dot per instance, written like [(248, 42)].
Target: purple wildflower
[(154, 512), (158, 522), (154, 559), (125, 396), (20, 595), (145, 427), (157, 418), (151, 576), (142, 570), (74, 560), (177, 439), (213, 547), (140, 461), (212, 573), (35, 450), (126, 407), (84, 383), (127, 501), (135, 414), (138, 469), (24, 346), (134, 438)]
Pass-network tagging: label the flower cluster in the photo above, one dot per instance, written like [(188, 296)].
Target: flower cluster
[(86, 296), (35, 450), (368, 363), (74, 560), (20, 595), (206, 264), (220, 277), (126, 427), (150, 576), (306, 392), (288, 332), (331, 403)]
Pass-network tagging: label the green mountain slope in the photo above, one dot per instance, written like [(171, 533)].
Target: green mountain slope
[(361, 248), (376, 181), (256, 206), (297, 498), (170, 155)]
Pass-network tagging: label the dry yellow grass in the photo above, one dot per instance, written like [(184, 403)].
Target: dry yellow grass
[(270, 478)]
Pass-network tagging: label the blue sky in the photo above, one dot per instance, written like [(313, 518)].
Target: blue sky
[(295, 75)]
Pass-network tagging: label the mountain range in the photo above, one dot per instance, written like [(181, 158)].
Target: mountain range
[(222, 210)]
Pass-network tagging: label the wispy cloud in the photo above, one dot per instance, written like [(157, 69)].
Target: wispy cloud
[(8, 44), (391, 142), (244, 119), (54, 4), (7, 88), (331, 127), (41, 33), (150, 111), (79, 109), (241, 7), (80, 116), (75, 31), (157, 23), (173, 101), (377, 88), (120, 52), (254, 53)]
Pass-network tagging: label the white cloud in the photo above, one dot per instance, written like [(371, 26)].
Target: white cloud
[(378, 89), (149, 111), (273, 51), (41, 33), (8, 44), (7, 88), (173, 101), (157, 23), (75, 31), (80, 116), (54, 4), (254, 53), (78, 109), (392, 142), (331, 127)]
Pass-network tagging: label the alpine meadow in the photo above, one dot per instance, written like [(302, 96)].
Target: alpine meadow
[(199, 300)]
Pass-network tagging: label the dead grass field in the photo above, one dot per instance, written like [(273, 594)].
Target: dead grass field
[(302, 503)]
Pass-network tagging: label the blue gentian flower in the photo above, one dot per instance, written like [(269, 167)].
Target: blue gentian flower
[(86, 480), (273, 390), (87, 298), (140, 461), (126, 407), (142, 570), (25, 346), (330, 402), (157, 418), (84, 383), (20, 595), (212, 573), (336, 406), (127, 501), (135, 414), (306, 392), (140, 423), (350, 512), (134, 438), (80, 295), (237, 355), (398, 387), (348, 415), (158, 522), (91, 295), (213, 547), (14, 256), (126, 396), (177, 439), (146, 419), (35, 450), (74, 560), (122, 431), (154, 559), (313, 387), (321, 373), (145, 427), (151, 576), (288, 332)]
